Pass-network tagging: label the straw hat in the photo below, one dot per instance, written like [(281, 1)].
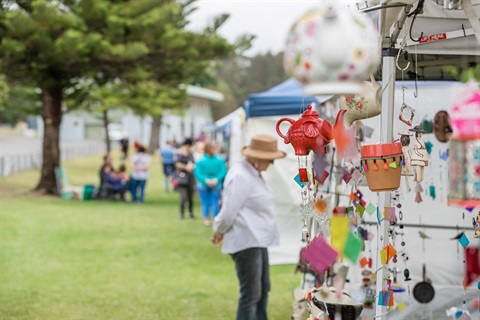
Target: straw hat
[(263, 147)]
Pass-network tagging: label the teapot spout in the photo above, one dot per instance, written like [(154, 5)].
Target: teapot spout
[(339, 121)]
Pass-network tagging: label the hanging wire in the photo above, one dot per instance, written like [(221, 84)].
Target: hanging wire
[(415, 94)]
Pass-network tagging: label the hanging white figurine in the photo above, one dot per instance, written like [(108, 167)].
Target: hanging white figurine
[(405, 142), (406, 168), (418, 154)]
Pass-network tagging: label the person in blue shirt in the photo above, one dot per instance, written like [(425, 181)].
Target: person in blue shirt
[(167, 154), (210, 170)]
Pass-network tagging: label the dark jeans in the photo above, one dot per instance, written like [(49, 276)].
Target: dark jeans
[(167, 171), (137, 188), (186, 198), (254, 278)]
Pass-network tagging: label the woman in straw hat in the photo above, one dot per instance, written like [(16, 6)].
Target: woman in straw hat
[(246, 224)]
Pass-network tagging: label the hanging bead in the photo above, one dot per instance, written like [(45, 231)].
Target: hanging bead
[(303, 174), (305, 234), (402, 163), (385, 165), (375, 165), (365, 167)]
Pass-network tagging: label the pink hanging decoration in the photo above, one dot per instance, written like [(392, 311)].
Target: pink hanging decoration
[(365, 167), (319, 254), (418, 197)]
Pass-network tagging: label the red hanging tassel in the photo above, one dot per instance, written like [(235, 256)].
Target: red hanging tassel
[(385, 165), (375, 165), (418, 197)]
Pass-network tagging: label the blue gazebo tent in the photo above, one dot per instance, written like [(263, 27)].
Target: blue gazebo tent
[(286, 98)]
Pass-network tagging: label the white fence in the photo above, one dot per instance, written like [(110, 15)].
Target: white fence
[(15, 163)]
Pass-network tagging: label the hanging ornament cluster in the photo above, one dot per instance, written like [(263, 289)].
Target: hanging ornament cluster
[(331, 49), (381, 164), (464, 168), (310, 133)]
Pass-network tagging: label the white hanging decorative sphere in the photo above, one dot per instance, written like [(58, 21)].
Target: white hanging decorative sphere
[(331, 50)]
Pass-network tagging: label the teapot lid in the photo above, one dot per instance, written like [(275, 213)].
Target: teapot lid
[(310, 112)]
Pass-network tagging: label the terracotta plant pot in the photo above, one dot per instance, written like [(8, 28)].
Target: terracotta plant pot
[(381, 164)]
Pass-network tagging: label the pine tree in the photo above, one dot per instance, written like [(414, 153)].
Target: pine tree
[(58, 43)]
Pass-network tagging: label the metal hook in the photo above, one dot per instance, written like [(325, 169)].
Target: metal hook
[(410, 31), (415, 13), (396, 61)]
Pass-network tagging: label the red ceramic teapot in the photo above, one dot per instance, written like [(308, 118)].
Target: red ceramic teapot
[(309, 132)]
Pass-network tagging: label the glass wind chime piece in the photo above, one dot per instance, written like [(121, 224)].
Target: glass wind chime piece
[(321, 207), (306, 212), (406, 112), (303, 168)]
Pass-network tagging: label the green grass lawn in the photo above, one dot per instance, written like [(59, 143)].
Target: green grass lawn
[(67, 259)]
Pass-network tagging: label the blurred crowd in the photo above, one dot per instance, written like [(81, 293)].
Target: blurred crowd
[(191, 168)]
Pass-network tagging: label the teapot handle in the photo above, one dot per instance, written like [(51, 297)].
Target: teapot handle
[(285, 139)]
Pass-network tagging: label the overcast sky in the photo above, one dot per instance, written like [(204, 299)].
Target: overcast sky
[(269, 20)]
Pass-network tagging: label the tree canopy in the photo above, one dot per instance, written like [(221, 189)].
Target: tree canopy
[(57, 44)]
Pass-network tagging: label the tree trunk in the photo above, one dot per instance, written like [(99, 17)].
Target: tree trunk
[(106, 121), (155, 135), (52, 98)]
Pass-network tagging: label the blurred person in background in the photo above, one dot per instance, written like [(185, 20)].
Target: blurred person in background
[(167, 157), (184, 166), (124, 144), (247, 226), (198, 150), (140, 164), (210, 170)]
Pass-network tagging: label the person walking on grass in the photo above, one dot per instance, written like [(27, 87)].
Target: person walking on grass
[(184, 166), (210, 170), (140, 164), (247, 226), (167, 155)]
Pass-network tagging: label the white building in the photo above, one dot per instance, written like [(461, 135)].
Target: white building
[(83, 125)]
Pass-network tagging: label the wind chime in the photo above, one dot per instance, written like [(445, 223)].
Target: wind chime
[(309, 133)]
